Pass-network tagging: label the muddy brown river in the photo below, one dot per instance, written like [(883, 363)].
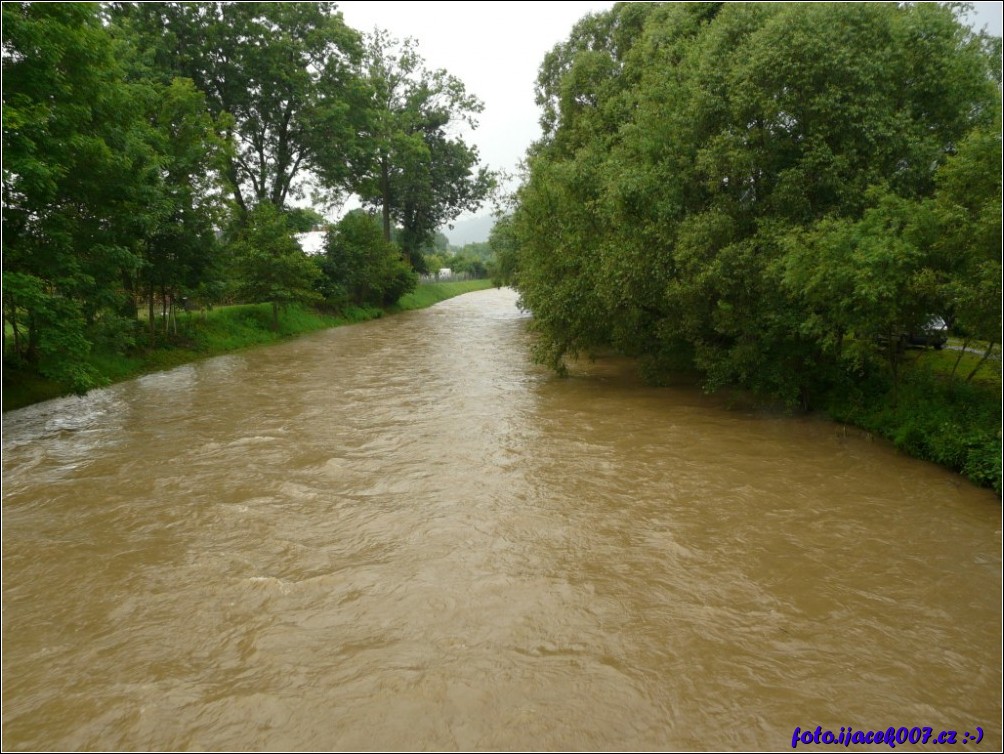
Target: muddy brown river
[(404, 535)]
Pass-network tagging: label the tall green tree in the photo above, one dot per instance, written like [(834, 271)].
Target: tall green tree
[(361, 267), (967, 207), (270, 265), (417, 174), (283, 73), (181, 256), (689, 149), (81, 184)]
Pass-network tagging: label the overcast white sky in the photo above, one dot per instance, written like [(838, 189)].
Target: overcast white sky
[(495, 48)]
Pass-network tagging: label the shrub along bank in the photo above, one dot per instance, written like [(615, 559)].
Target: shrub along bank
[(222, 330), (772, 195), (928, 415)]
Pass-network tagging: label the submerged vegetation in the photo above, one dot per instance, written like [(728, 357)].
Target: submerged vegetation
[(775, 196)]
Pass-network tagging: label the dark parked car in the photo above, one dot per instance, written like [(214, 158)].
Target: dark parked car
[(934, 333)]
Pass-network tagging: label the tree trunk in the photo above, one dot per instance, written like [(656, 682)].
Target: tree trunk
[(163, 309), (235, 183), (986, 355), (152, 318), (965, 345), (385, 195), (129, 307), (31, 352)]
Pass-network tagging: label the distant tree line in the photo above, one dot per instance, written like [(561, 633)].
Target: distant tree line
[(767, 193), (473, 260), (152, 153)]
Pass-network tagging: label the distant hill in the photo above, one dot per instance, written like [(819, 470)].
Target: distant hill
[(470, 230)]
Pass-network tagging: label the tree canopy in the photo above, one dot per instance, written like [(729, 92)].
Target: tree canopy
[(271, 265), (105, 176), (760, 190), (413, 170), (284, 75), (156, 153), (360, 266)]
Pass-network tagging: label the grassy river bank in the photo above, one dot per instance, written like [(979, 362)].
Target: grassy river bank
[(932, 414), (222, 330)]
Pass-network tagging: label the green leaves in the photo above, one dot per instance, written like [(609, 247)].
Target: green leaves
[(410, 166), (281, 75), (270, 264), (360, 267), (78, 176), (762, 183)]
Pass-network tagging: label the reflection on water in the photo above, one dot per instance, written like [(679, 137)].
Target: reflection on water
[(403, 535)]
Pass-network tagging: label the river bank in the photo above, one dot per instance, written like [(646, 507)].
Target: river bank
[(406, 535), (953, 423), (222, 330), (930, 415)]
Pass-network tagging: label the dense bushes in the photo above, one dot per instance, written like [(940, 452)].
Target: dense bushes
[(218, 331), (953, 423), (773, 194), (360, 267)]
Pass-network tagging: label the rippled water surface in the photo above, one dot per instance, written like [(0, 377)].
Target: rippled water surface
[(403, 535)]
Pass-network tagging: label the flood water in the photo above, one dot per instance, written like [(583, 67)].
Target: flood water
[(403, 535)]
